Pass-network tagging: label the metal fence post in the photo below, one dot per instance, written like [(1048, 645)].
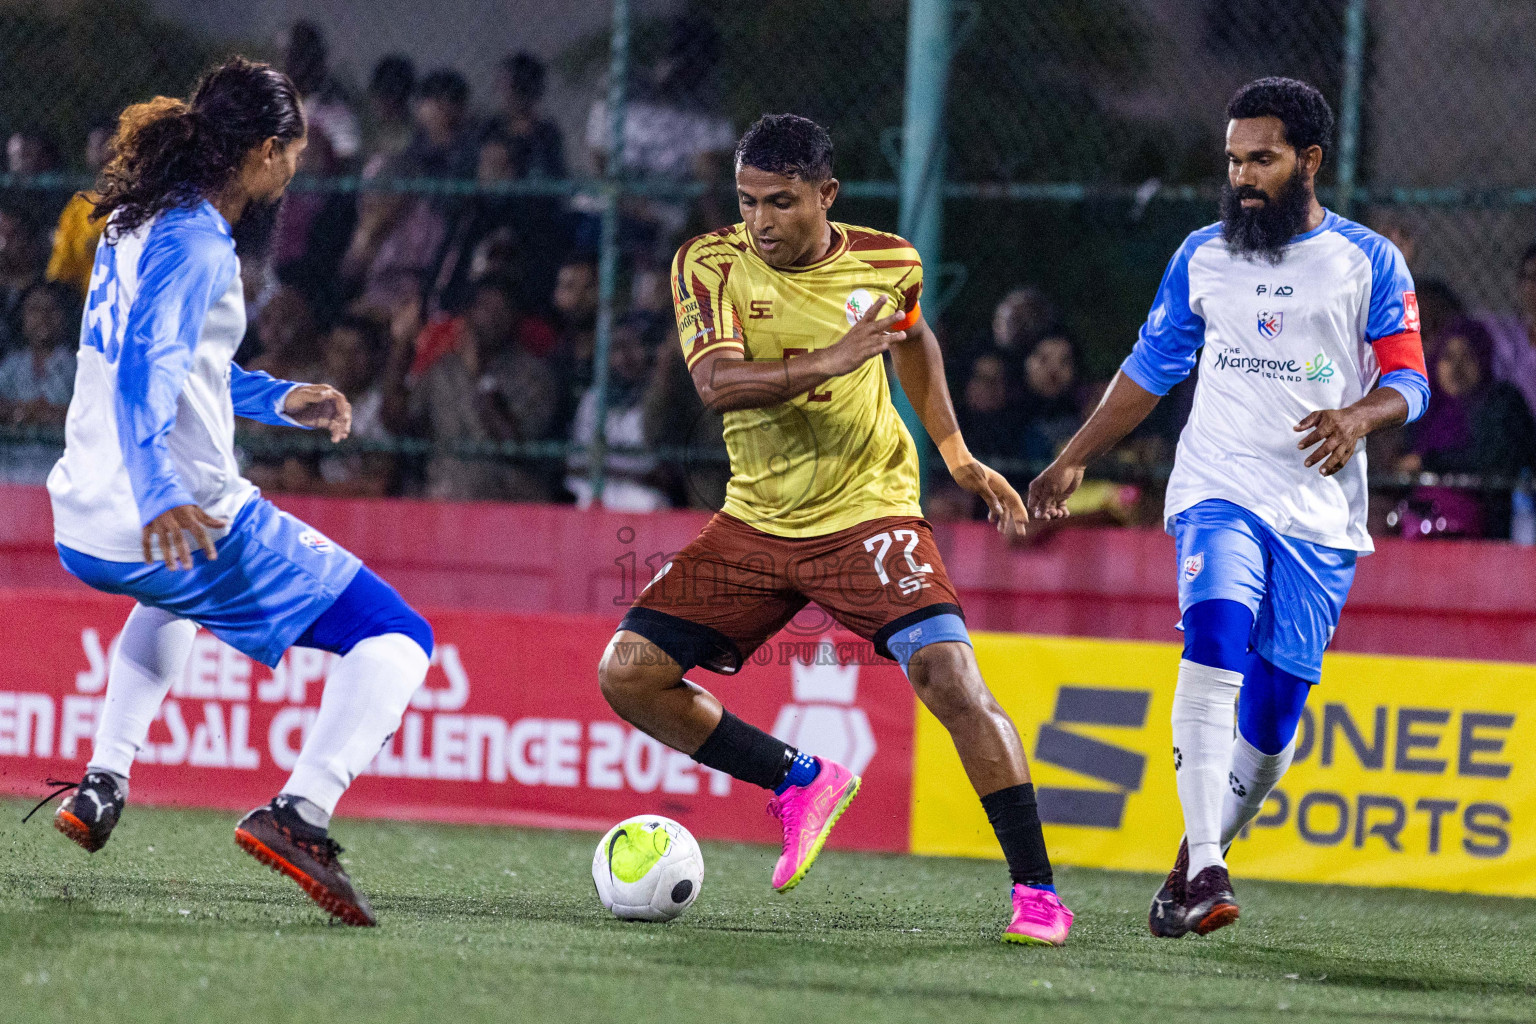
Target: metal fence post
[(608, 246), (1349, 115), (921, 213)]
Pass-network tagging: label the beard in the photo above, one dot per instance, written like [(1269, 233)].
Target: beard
[(1264, 231), (254, 230)]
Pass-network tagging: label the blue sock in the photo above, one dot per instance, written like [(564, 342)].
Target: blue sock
[(1046, 888), (802, 772)]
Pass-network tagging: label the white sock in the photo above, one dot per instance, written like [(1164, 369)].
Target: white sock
[(1204, 705), (364, 699), (151, 653), (1254, 775)]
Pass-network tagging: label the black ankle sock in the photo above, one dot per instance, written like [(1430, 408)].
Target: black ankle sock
[(1016, 821), (745, 752)]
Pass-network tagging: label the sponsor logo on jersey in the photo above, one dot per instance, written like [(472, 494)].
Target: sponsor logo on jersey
[(1319, 368), (1271, 323), (1410, 311), (1275, 369), (857, 304), (1192, 566), (316, 541)]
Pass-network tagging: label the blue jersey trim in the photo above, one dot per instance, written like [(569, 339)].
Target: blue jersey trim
[(1170, 340), (188, 261), (1390, 280), (260, 396), (1413, 386)]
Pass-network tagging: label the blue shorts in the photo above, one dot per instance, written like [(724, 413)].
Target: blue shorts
[(1294, 588), (273, 578)]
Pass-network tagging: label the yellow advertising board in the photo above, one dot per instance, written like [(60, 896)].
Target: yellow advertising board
[(1409, 771)]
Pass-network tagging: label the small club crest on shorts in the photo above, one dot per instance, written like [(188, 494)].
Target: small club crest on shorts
[(316, 541), (1192, 566)]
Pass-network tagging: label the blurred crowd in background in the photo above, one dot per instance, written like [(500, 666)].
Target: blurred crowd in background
[(455, 320)]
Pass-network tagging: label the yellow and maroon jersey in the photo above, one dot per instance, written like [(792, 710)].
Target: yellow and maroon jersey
[(838, 455)]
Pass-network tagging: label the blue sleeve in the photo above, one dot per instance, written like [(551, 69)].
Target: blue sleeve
[(1413, 386), (1394, 306), (181, 273), (1170, 340), (260, 396)]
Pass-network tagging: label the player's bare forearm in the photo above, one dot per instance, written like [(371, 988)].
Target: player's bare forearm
[(919, 365), (1333, 434), (727, 383), (1124, 406)]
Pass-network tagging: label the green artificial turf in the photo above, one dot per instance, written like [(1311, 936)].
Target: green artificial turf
[(172, 923)]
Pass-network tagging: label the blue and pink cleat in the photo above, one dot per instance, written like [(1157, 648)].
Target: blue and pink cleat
[(1039, 918), (808, 813)]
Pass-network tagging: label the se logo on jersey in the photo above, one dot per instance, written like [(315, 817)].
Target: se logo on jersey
[(1271, 324)]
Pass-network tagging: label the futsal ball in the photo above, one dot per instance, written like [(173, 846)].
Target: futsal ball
[(648, 868)]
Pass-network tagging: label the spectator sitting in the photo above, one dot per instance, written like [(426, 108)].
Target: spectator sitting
[(399, 231), (1475, 423), (354, 357), (313, 227), (988, 419), (1514, 337), (389, 126), (535, 146), (672, 135), (629, 479), (1050, 407), (289, 329), (36, 382), (326, 108), (1021, 319), (575, 305), (485, 388), (29, 152), (74, 240), (21, 264)]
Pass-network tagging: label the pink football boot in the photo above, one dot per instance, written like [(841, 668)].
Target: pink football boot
[(1039, 918), (808, 813)]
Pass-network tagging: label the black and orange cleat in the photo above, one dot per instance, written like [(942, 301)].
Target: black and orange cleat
[(1166, 918), (1209, 903), (286, 843), (89, 814)]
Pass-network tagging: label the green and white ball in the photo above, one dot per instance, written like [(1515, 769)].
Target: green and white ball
[(648, 868)]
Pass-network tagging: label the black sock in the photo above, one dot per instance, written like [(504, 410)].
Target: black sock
[(1016, 821), (745, 752)]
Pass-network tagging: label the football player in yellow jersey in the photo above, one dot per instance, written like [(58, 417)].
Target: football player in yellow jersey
[(784, 319)]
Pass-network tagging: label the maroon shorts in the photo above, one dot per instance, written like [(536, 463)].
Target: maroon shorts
[(724, 595)]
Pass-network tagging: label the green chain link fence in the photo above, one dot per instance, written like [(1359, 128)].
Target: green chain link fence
[(1071, 145)]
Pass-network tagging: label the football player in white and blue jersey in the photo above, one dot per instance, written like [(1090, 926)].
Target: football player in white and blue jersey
[(148, 499), (1306, 331)]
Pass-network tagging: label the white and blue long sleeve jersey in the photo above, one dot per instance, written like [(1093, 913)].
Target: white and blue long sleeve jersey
[(1274, 343), (151, 424)]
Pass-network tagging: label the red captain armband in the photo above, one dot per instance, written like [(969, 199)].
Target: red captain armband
[(1403, 351), (909, 321)]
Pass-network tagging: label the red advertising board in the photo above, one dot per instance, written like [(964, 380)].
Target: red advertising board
[(509, 727)]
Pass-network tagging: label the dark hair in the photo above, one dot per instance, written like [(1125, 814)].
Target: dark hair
[(526, 74), (444, 84), (394, 77), (375, 344), (66, 298), (787, 144), (1306, 115), (168, 153), (305, 55), (1478, 340)]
